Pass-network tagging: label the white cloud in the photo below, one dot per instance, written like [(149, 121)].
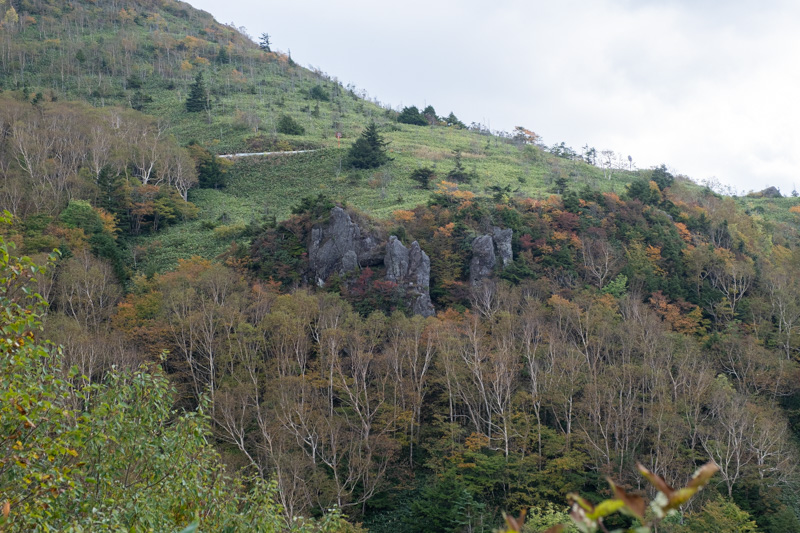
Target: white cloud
[(704, 86)]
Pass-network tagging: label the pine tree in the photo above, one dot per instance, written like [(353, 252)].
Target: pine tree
[(369, 150), (423, 176), (263, 42), (452, 120), (411, 115), (459, 174), (197, 95)]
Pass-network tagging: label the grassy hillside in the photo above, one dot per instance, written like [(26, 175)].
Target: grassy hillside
[(146, 54)]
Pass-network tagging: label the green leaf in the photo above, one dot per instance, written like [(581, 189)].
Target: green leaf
[(191, 528), (605, 508)]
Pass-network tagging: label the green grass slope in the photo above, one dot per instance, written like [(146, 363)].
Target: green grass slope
[(146, 54)]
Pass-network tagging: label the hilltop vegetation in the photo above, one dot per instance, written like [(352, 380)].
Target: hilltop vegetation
[(640, 317)]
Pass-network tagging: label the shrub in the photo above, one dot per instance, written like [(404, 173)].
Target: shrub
[(423, 176), (318, 93), (289, 126), (230, 231), (459, 174)]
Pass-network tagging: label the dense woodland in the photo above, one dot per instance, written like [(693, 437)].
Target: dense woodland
[(644, 318)]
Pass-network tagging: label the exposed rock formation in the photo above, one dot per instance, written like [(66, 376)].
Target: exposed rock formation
[(502, 243), (485, 250), (410, 268), (341, 246), (769, 192), (483, 259)]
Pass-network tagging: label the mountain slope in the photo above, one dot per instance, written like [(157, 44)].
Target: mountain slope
[(147, 54)]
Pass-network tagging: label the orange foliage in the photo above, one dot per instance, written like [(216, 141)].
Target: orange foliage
[(74, 238), (553, 202), (124, 16), (449, 315), (269, 286), (451, 190), (159, 21), (526, 135), (238, 76), (189, 269), (109, 221), (476, 441), (528, 204), (682, 317), (466, 204), (612, 199), (445, 231), (558, 301), (654, 256), (192, 43), (402, 215), (684, 232)]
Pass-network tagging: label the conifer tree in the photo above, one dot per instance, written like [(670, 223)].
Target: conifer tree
[(196, 101), (263, 42), (411, 115), (369, 150)]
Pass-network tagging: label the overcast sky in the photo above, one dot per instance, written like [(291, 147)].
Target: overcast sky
[(708, 87)]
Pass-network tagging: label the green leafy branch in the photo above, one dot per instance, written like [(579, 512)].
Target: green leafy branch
[(589, 517)]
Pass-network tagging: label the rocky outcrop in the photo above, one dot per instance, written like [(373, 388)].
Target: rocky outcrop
[(486, 249), (341, 246), (502, 243), (769, 192), (410, 268), (483, 259)]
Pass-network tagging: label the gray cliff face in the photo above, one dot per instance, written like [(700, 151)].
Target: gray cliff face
[(340, 246), (410, 268), (486, 249), (483, 259), (395, 260), (502, 242)]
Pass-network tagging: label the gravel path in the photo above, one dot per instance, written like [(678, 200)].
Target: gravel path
[(231, 156)]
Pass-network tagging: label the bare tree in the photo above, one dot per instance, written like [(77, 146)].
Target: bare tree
[(601, 260)]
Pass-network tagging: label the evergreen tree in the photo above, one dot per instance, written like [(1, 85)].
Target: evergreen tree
[(196, 101), (662, 177), (318, 93), (423, 176), (211, 170), (223, 56), (452, 120), (289, 126), (369, 150), (411, 115), (459, 173), (430, 114), (263, 42)]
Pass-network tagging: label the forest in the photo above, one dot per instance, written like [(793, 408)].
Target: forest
[(178, 353)]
